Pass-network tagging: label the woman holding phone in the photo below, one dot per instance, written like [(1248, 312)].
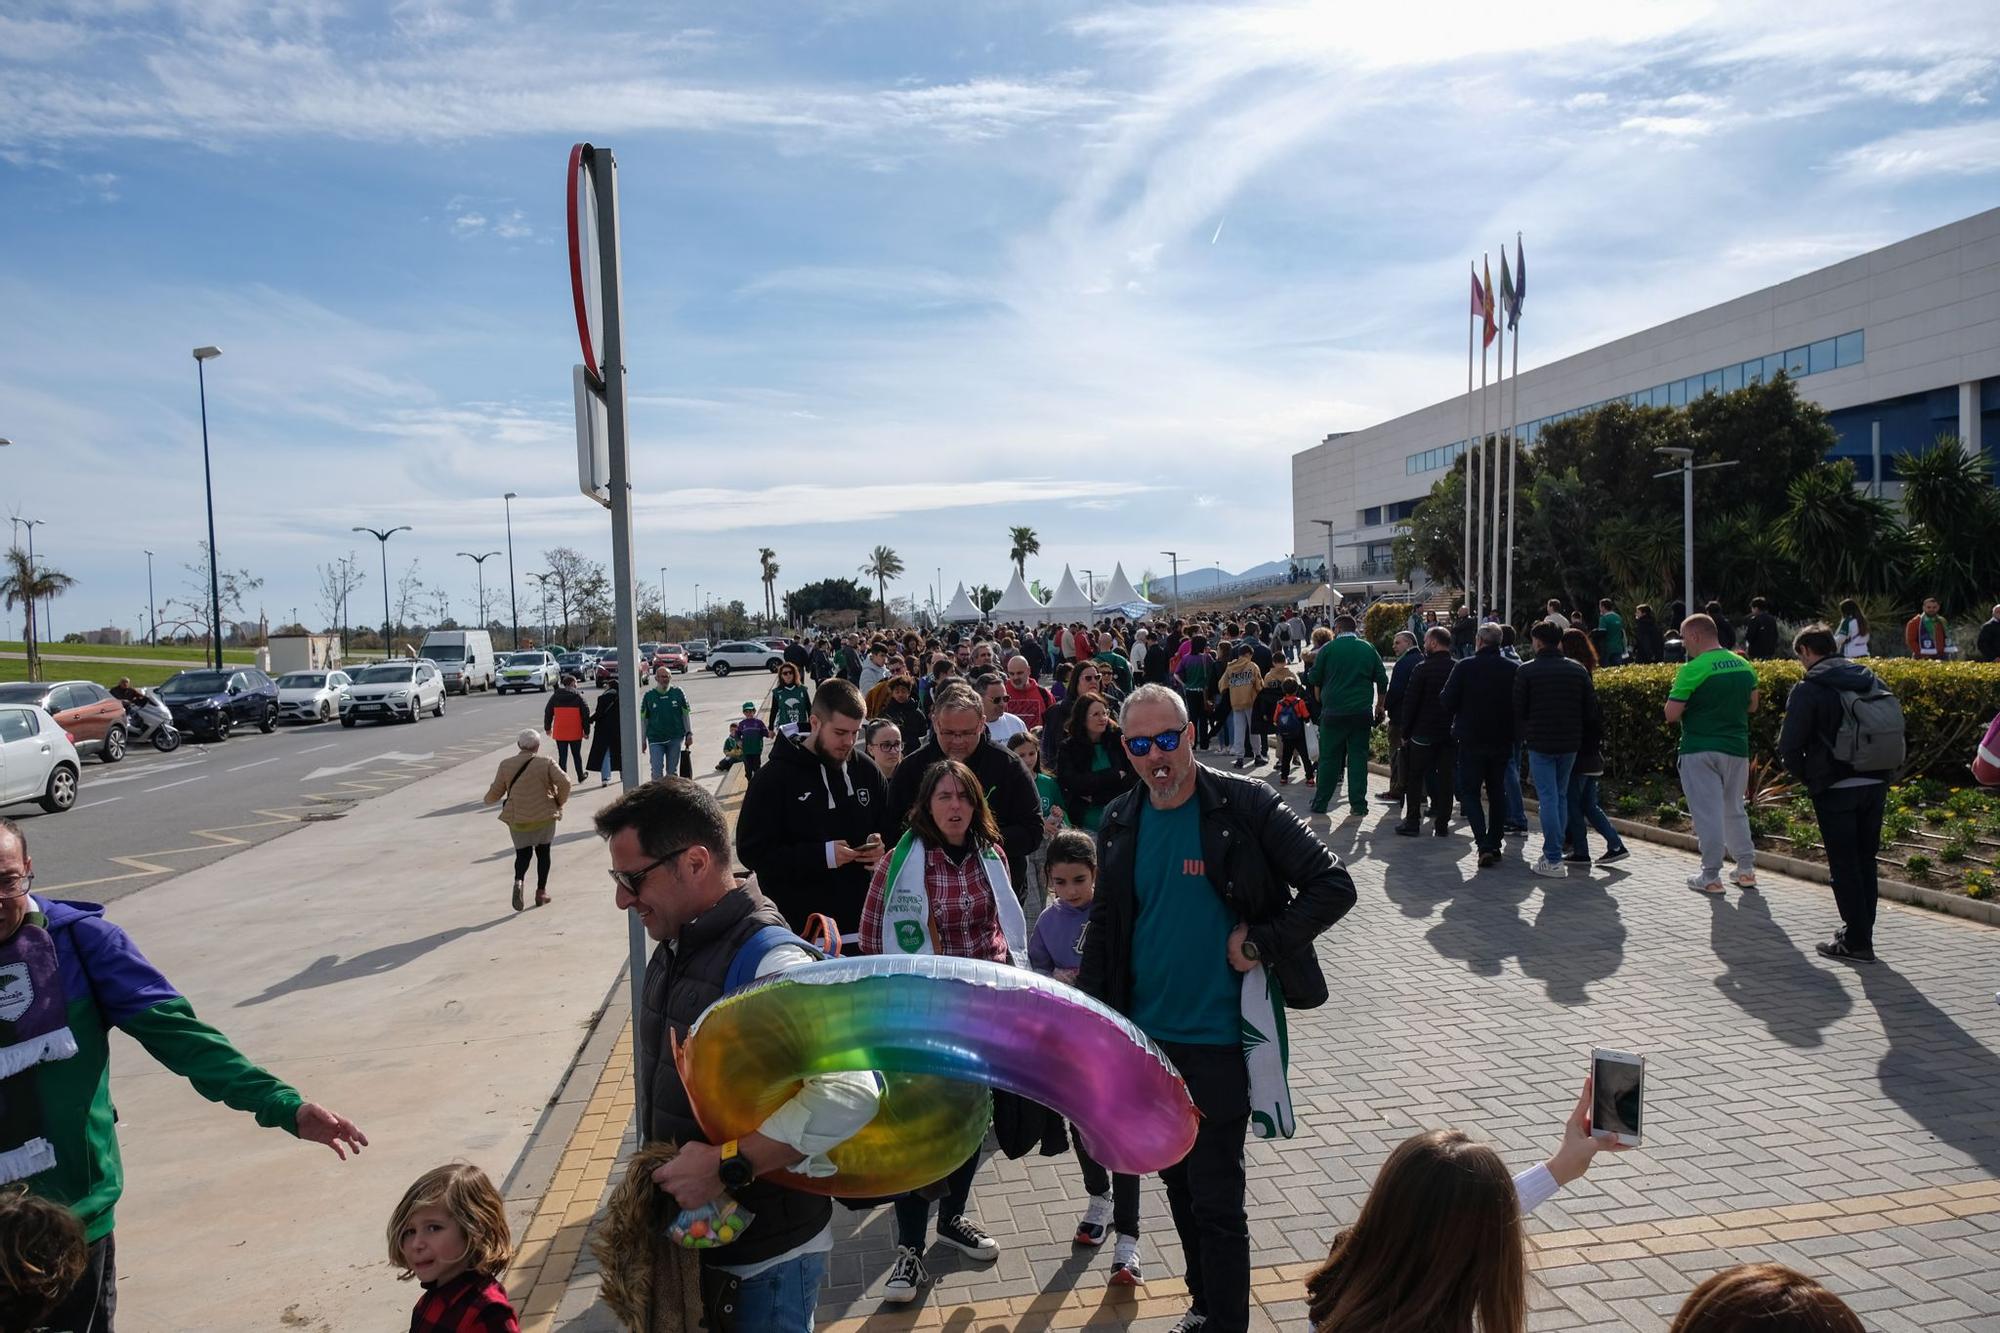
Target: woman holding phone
[(943, 890)]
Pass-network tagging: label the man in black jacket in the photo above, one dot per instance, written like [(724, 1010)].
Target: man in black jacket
[(1480, 700), (1202, 876), (906, 713), (1425, 725), (1987, 647), (817, 817), (1760, 631), (958, 731), (1464, 633), (1552, 697), (1408, 655), (1847, 804)]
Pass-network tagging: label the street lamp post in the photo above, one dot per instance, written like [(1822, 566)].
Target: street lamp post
[(29, 624), (1175, 556), (1089, 588), (1686, 469), (479, 562), (384, 537), (152, 607), (513, 594), (543, 579), (1327, 523), (202, 354)]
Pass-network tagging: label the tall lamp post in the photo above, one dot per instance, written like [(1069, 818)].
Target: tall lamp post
[(1089, 588), (202, 354), (543, 579), (1327, 523), (384, 537), (513, 595), (479, 561), (30, 524), (1686, 470), (152, 607), (1175, 556)]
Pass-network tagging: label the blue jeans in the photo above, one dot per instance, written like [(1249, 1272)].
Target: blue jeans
[(782, 1299), (1551, 777), (1584, 810), (1517, 812), (666, 756)]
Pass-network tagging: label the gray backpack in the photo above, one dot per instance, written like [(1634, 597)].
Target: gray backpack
[(1870, 736)]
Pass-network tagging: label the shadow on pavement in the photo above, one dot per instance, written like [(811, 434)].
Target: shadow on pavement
[(331, 969), (1767, 976), (507, 854), (1940, 1074), (462, 808)]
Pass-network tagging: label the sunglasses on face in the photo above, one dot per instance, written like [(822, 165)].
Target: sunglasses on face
[(1168, 741), (630, 880)]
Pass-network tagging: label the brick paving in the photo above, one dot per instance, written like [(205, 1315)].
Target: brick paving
[(1841, 1119)]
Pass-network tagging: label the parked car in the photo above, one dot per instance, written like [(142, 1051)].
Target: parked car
[(94, 721), (672, 656), (209, 702), (576, 664), (405, 690), (530, 669), (464, 658), (311, 696), (646, 651), (605, 669), (697, 650), (743, 655), (776, 643), (37, 760)]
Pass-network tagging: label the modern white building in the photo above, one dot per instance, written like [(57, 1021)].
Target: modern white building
[(1899, 345)]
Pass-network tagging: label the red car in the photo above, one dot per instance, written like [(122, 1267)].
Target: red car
[(94, 720), (672, 656)]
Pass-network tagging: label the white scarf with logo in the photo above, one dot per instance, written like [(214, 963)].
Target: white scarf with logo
[(906, 907)]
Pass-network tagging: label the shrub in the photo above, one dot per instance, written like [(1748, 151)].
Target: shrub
[(1766, 822), (1382, 620), (1631, 803), (1919, 865), (1898, 824), (1937, 816), (1956, 846), (1946, 706), (1801, 834), (1978, 884), (1670, 815)]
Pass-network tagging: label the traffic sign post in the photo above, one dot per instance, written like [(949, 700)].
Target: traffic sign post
[(598, 293)]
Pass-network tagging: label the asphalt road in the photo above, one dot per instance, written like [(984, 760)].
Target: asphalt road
[(141, 821)]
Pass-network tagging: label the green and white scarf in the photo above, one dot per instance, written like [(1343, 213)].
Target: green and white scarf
[(1267, 1052), (906, 907)]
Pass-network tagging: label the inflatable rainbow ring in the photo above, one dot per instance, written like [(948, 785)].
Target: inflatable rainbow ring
[(940, 1031)]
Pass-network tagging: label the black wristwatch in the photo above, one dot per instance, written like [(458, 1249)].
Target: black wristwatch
[(734, 1168)]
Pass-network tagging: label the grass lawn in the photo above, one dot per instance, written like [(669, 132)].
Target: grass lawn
[(164, 653), (104, 673)]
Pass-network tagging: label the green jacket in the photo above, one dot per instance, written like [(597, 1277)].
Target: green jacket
[(665, 713), (1347, 673)]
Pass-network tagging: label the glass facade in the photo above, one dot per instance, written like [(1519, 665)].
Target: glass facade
[(1848, 349)]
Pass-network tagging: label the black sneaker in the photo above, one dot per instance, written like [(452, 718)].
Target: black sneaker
[(962, 1235), (1838, 947), (1409, 830), (518, 902), (1488, 859), (906, 1278), (1615, 854), (1577, 858), (1516, 830), (1239, 764), (1191, 1322)]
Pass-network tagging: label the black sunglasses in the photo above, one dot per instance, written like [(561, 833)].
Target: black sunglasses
[(630, 880), (1168, 741)]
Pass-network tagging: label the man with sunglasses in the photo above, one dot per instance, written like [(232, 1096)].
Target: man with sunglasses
[(67, 976), (1202, 876), (670, 865)]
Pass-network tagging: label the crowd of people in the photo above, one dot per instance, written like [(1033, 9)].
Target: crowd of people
[(1035, 798)]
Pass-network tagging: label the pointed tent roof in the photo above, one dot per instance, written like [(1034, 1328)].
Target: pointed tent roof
[(1121, 598), (1017, 601), (1069, 603), (961, 607)]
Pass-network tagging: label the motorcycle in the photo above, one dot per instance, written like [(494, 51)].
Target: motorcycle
[(150, 720)]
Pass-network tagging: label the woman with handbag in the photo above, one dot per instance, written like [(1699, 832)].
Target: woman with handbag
[(531, 791)]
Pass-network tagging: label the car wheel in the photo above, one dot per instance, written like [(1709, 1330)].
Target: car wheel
[(114, 745), (773, 665), (347, 722), (270, 722), (720, 668), (325, 711), (60, 794), (440, 707), (416, 712), (222, 729)]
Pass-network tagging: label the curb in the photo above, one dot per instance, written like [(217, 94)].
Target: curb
[(1895, 890)]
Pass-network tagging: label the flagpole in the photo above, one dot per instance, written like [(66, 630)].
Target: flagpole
[(1479, 517), (1513, 430), (1499, 418), (1465, 544)]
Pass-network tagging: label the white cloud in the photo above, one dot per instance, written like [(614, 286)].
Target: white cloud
[(1673, 127), (1961, 76), (513, 227), (466, 224), (1970, 149)]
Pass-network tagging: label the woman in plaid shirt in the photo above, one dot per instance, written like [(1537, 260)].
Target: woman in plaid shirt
[(952, 829)]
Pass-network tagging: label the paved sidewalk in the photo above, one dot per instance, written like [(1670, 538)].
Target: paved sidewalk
[(1845, 1120)]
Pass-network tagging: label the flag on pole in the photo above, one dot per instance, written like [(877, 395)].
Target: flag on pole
[(1486, 309), (1520, 281), (1506, 291), (1478, 295)]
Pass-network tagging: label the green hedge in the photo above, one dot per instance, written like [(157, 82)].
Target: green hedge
[(1946, 706)]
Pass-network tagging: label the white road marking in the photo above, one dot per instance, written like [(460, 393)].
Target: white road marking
[(182, 783), (392, 757), (317, 748), (106, 801), (146, 772), (240, 767)]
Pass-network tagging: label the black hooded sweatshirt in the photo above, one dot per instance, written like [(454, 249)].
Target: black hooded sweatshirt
[(795, 806)]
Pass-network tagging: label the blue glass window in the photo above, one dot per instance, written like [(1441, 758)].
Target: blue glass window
[(1797, 361), (1820, 357), (1370, 517), (1677, 394), (1753, 371), (1848, 348), (1772, 365), (1732, 378), (1712, 382)]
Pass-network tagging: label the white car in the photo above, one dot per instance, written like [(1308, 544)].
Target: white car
[(37, 760), (311, 696), (404, 690), (532, 669), (743, 655)]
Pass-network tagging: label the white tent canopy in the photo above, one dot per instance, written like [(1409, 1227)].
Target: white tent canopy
[(961, 608), (1069, 603), (1017, 603), (1121, 599), (1324, 595)]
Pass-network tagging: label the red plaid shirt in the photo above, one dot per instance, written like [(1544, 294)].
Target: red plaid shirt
[(964, 923), (469, 1303)]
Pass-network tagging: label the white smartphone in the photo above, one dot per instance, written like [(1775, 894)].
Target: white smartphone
[(1618, 1096)]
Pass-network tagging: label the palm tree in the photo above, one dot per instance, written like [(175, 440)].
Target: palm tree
[(767, 565), (883, 564), (22, 584), (1024, 544)]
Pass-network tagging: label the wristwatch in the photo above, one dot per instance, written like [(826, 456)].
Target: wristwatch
[(1250, 950), (734, 1168)]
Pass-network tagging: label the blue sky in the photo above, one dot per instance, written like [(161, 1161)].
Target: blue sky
[(895, 273)]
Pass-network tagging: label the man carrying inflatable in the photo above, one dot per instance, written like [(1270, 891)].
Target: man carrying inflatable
[(1208, 886), (670, 859)]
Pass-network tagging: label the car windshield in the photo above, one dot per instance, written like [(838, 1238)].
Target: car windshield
[(197, 682), (672, 648), (445, 652), (380, 675), (22, 692), (301, 680)]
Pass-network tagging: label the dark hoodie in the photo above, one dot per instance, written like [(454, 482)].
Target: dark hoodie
[(796, 805), (1010, 792), (1812, 718)]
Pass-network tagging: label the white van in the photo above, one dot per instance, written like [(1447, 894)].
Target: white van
[(465, 656)]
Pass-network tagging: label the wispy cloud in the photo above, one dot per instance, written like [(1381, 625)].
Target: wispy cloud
[(1971, 149)]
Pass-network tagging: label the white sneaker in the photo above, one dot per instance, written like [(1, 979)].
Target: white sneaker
[(1125, 1263), (906, 1278), (1705, 883), (1553, 869), (1096, 1221)]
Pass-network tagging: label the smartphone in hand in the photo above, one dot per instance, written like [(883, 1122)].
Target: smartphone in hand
[(1617, 1101)]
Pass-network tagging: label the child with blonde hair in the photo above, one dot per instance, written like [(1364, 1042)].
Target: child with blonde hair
[(450, 1233)]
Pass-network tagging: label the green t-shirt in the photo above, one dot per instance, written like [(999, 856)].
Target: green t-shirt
[(1093, 817), (1716, 687), (1049, 791), (1182, 986), (1195, 670), (665, 713), (1613, 626), (1347, 673), (788, 706)]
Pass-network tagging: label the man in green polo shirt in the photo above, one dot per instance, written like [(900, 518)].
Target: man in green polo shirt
[(1613, 626), (1353, 688), (1713, 695)]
